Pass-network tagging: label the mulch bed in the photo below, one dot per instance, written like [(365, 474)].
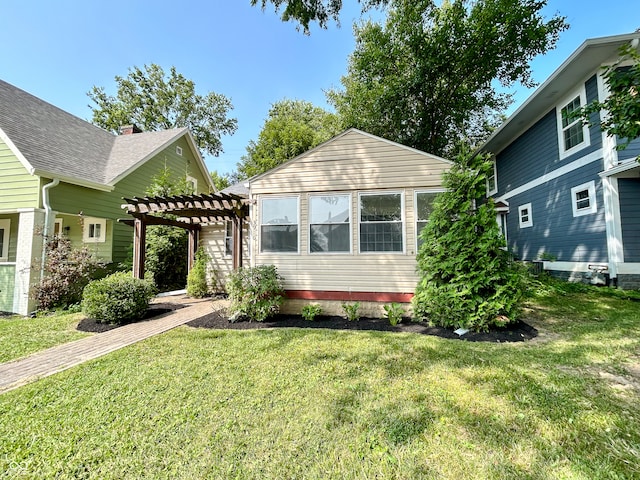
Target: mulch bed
[(516, 332), (93, 326)]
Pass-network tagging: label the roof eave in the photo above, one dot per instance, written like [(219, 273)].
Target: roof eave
[(74, 181)]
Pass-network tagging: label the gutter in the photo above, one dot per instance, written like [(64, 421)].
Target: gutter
[(47, 220)]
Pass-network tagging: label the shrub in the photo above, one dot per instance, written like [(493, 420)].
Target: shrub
[(197, 286), (66, 272), (255, 292), (117, 298), (310, 312), (166, 260), (351, 311), (467, 280), (394, 313)]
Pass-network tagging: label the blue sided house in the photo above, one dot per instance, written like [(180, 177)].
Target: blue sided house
[(564, 194)]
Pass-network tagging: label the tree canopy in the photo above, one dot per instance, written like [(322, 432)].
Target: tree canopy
[(291, 128), (622, 106), (426, 78), (153, 101)]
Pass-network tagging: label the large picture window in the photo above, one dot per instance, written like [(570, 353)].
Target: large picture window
[(279, 225), (4, 239), (330, 224), (381, 222), (424, 207)]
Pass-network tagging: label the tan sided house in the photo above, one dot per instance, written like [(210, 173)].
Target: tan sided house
[(59, 173), (340, 222)]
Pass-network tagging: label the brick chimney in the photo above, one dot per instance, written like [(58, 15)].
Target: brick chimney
[(129, 130)]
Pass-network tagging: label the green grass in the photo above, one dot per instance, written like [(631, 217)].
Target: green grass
[(21, 336), (314, 404)]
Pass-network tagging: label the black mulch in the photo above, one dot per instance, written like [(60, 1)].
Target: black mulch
[(91, 325), (516, 332)]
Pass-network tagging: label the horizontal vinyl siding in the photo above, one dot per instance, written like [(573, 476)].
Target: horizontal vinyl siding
[(220, 265), (631, 151), (555, 231), (13, 236), (353, 162), (18, 189), (629, 190)]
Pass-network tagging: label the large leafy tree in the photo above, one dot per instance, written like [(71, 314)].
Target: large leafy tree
[(153, 101), (428, 78), (622, 106), (292, 128)]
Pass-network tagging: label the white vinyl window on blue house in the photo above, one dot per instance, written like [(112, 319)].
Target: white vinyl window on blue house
[(279, 221), (492, 180), (5, 224), (330, 224), (573, 135), (583, 199), (381, 222), (525, 217)]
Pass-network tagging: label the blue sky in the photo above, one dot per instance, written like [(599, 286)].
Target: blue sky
[(59, 50)]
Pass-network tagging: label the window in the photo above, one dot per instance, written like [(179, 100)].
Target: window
[(279, 225), (330, 224), (381, 222), (178, 150), (57, 228), (95, 230), (492, 180), (424, 207), (192, 183), (583, 199), (5, 225), (228, 238), (525, 216), (572, 133)]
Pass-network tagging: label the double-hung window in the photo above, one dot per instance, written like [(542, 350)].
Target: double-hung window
[(5, 224), (279, 225), (492, 180), (424, 207), (381, 222), (572, 133), (330, 224), (583, 199), (228, 238), (94, 230)]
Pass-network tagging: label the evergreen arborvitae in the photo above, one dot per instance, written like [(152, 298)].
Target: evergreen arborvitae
[(467, 278)]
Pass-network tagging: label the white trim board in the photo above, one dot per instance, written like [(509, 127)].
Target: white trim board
[(570, 167)]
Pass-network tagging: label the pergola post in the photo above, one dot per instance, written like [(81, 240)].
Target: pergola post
[(139, 243), (193, 247), (237, 243)]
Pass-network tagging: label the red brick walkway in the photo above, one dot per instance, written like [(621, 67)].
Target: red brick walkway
[(56, 359)]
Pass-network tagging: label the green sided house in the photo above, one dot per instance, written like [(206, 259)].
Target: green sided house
[(60, 174)]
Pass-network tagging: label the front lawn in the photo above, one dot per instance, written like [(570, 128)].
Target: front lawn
[(317, 404), (21, 336)]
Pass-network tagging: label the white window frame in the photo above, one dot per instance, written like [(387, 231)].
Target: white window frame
[(178, 150), (586, 140), (415, 210), (590, 188), (193, 181), (493, 191), (402, 221), (5, 224), (58, 224), (228, 238), (86, 230), (529, 221), (332, 194), (279, 197)]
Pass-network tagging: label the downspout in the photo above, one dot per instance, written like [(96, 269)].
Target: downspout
[(47, 219)]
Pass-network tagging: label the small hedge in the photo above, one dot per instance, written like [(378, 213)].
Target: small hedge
[(117, 299), (197, 285), (255, 293)]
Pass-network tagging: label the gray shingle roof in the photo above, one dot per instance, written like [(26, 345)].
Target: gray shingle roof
[(58, 143)]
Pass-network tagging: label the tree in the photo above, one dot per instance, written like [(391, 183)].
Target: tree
[(321, 11), (467, 279), (426, 78), (221, 181), (292, 128), (622, 106), (152, 101)]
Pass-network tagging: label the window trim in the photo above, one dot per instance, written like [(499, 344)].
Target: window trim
[(563, 152), (5, 224), (178, 150), (260, 224), (590, 187), (193, 181), (495, 179), (309, 223), (228, 236), (402, 221), (529, 222), (87, 222), (415, 209), (58, 221)]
